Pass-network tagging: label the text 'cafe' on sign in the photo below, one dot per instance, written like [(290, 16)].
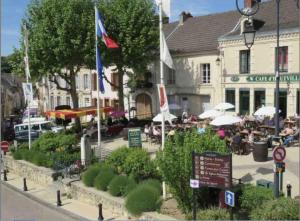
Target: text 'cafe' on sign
[(213, 169)]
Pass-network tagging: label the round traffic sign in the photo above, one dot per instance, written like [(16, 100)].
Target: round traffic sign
[(279, 154)]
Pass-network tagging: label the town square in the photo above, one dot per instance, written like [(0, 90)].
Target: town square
[(150, 110)]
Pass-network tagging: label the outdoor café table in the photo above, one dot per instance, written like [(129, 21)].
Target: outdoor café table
[(258, 133)]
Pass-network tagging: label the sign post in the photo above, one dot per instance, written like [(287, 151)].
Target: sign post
[(134, 137), (4, 147), (279, 154), (212, 169)]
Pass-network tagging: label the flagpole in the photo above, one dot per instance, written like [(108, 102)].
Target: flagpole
[(27, 81), (162, 82), (98, 92)]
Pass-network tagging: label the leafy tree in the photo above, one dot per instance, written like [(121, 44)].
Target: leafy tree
[(175, 164), (134, 25), (61, 41), (5, 65)]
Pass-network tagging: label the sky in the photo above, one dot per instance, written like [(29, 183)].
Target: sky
[(12, 12)]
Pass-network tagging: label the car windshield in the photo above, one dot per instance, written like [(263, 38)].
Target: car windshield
[(21, 128)]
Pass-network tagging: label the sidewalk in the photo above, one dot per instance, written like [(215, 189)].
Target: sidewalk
[(249, 171), (48, 195)]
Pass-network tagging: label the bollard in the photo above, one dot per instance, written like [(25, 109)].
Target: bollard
[(240, 181), (58, 202), (24, 185), (100, 217), (289, 190), (5, 175)]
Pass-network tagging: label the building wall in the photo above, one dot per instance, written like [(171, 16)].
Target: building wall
[(188, 83), (262, 69)]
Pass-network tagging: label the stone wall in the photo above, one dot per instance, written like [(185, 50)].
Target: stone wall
[(94, 197), (39, 175)]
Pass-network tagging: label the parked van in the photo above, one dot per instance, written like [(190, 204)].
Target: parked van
[(41, 127)]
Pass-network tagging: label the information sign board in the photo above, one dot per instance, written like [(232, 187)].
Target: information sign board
[(213, 169), (134, 137)]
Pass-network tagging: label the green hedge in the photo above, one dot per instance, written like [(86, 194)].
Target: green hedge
[(277, 209), (117, 186), (144, 198), (253, 196), (117, 158), (89, 175), (131, 185), (153, 183), (213, 213), (103, 179), (139, 165)]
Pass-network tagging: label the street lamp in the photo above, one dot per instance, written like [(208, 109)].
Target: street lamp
[(249, 33), (252, 7)]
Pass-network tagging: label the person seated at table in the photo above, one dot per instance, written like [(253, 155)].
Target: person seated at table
[(200, 128), (147, 131), (236, 139), (250, 137), (221, 133), (291, 137), (288, 130), (156, 131)]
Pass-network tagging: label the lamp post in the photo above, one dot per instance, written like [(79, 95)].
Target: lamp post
[(252, 7)]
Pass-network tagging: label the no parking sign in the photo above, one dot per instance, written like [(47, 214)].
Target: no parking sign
[(279, 154)]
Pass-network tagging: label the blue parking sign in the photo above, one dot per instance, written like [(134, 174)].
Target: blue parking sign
[(229, 198)]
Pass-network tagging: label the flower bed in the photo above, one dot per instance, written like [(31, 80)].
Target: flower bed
[(50, 150), (128, 173)]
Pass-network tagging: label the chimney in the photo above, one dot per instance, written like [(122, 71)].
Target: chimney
[(250, 3), (184, 16)]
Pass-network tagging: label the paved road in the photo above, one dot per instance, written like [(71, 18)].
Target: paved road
[(16, 205)]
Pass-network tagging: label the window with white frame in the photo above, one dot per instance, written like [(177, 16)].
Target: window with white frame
[(85, 81), (205, 73), (68, 101), (58, 101), (170, 74)]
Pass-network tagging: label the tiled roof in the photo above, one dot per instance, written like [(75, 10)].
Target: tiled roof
[(200, 34)]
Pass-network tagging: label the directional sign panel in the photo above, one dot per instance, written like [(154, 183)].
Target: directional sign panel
[(229, 198), (194, 183), (213, 169)]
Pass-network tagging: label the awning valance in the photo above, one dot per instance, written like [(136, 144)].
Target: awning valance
[(78, 112)]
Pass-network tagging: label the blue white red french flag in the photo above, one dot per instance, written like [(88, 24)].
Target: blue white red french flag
[(100, 30), (99, 68)]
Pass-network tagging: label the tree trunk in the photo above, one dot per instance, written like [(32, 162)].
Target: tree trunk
[(120, 89), (74, 97)]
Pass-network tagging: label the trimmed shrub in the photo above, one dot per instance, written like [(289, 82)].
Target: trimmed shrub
[(89, 175), (117, 158), (118, 185), (144, 198), (103, 178), (213, 213), (131, 184), (277, 209), (153, 183), (253, 196), (139, 165), (17, 155)]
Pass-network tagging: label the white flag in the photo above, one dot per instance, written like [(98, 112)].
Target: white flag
[(26, 62), (166, 7), (166, 57)]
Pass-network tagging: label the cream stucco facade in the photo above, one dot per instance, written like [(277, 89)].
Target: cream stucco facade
[(262, 72)]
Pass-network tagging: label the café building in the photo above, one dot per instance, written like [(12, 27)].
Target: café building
[(248, 75)]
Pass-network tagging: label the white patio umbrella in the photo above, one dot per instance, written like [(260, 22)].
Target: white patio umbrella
[(168, 117), (174, 107), (224, 106), (225, 120), (265, 111), (210, 114)]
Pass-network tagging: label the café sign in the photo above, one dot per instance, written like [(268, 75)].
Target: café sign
[(272, 78), (213, 169)]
